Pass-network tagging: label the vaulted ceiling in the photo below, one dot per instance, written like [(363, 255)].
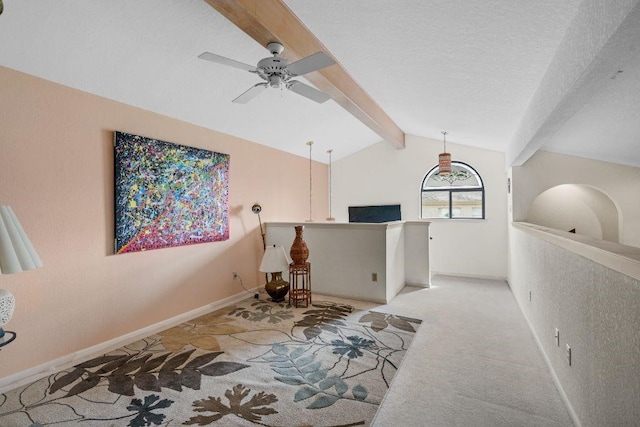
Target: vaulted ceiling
[(505, 75)]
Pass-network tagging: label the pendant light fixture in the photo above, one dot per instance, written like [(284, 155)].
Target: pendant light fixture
[(444, 159)]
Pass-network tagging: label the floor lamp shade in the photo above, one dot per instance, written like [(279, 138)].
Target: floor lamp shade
[(16, 252)]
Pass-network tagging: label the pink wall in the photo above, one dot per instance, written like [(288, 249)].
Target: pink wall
[(56, 171)]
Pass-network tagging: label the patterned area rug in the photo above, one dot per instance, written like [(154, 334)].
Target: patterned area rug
[(255, 363)]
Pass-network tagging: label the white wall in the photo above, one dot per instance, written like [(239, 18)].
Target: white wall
[(595, 307), (381, 174), (596, 310), (395, 242), (571, 206), (416, 255), (545, 170)]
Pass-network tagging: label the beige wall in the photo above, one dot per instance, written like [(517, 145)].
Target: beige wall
[(56, 171), (381, 174)]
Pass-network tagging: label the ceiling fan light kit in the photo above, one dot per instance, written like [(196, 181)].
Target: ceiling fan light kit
[(277, 72)]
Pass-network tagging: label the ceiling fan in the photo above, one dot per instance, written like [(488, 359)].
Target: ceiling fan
[(277, 72)]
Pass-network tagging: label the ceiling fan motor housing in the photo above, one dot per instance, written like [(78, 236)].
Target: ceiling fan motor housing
[(273, 65), (273, 70)]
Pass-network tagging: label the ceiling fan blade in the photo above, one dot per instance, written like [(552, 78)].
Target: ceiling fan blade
[(307, 91), (208, 56), (250, 94), (310, 63)]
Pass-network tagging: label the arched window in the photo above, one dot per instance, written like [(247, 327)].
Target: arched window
[(458, 195)]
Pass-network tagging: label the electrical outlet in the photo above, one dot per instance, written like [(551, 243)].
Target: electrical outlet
[(556, 335), (569, 354), (374, 277)]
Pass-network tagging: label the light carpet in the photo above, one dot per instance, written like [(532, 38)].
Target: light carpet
[(473, 363), (255, 363)]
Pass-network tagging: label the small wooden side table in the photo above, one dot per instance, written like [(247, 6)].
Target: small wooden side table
[(300, 284)]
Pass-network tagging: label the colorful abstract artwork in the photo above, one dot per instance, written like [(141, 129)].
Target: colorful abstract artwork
[(168, 194)]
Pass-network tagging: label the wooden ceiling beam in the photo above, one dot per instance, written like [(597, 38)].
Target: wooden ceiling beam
[(269, 21)]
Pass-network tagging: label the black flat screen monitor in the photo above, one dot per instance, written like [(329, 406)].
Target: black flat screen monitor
[(383, 213)]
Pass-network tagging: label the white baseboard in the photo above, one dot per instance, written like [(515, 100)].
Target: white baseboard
[(33, 374), (466, 276), (418, 285)]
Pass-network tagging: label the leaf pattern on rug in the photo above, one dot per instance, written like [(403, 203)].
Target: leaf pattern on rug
[(297, 368), (352, 348), (252, 410), (326, 316), (146, 416), (146, 373), (381, 321), (273, 313), (199, 333), (306, 360)]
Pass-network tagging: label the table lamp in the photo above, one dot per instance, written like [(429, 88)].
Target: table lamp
[(275, 260), (16, 255)]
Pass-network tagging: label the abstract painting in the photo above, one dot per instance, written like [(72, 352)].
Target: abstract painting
[(168, 194)]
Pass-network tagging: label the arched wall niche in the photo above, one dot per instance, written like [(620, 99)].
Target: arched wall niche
[(581, 207)]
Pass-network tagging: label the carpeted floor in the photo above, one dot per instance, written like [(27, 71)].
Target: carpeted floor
[(473, 363), (256, 363)]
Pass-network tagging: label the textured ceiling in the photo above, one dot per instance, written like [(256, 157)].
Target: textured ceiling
[(466, 67), (476, 69)]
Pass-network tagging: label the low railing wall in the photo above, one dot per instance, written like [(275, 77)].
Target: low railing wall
[(363, 261), (590, 291)]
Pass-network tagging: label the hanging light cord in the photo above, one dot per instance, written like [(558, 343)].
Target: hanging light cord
[(329, 151), (310, 143), (445, 140)]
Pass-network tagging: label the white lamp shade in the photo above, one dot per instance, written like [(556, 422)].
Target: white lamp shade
[(16, 252), (275, 259), (7, 306)]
